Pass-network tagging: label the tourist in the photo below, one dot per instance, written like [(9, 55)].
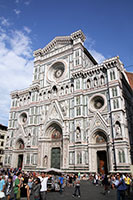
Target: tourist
[(77, 187), (127, 182), (121, 187), (2, 187), (106, 184), (61, 181), (36, 189), (17, 186), (9, 189), (43, 190)]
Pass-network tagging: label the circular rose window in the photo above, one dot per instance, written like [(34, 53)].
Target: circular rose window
[(97, 102), (23, 118), (56, 71)]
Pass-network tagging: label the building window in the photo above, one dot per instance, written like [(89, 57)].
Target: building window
[(95, 81), (114, 92), (86, 157), (71, 158), (77, 53), (79, 158), (116, 103), (77, 84), (77, 62), (88, 83), (102, 80), (112, 75), (28, 159), (121, 155), (78, 111), (5, 159), (78, 100)]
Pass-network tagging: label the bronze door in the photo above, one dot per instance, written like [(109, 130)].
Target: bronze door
[(55, 158)]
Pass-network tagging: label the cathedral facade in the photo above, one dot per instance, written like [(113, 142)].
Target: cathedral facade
[(73, 116)]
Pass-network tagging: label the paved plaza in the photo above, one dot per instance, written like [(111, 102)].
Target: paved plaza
[(88, 192)]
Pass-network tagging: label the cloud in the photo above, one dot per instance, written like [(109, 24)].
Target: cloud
[(4, 21), (90, 45), (16, 65), (27, 3), (17, 1), (27, 29), (17, 12)]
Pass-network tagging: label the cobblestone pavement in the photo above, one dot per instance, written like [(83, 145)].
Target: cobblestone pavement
[(88, 192)]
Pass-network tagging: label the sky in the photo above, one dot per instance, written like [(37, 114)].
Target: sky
[(27, 25)]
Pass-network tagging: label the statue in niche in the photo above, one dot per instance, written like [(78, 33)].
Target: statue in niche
[(28, 140), (78, 133), (64, 108), (45, 161), (117, 130), (43, 115)]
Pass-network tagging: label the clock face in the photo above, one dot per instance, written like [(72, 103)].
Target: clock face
[(56, 71)]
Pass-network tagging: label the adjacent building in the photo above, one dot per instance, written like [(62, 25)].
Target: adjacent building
[(3, 132), (77, 115)]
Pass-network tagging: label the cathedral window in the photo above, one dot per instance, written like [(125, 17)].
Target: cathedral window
[(78, 110), (78, 100), (5, 159), (78, 84), (121, 155), (33, 97), (76, 53), (31, 120), (102, 80), (114, 92), (28, 159), (34, 137), (9, 160), (86, 157), (79, 158), (11, 143), (116, 103), (95, 81), (71, 158), (77, 62), (112, 75), (88, 83)]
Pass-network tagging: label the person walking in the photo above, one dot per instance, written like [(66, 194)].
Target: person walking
[(77, 187), (61, 181), (106, 184)]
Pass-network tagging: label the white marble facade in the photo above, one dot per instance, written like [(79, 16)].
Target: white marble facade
[(72, 116)]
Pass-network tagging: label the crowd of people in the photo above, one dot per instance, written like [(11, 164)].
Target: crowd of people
[(16, 184)]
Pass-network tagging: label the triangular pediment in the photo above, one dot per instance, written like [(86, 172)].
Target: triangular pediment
[(54, 112), (59, 42), (98, 122)]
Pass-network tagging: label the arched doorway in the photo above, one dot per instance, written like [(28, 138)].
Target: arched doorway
[(55, 133), (20, 147), (101, 144)]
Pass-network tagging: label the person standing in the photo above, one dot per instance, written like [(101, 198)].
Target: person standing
[(2, 187), (36, 189), (121, 187), (9, 189), (17, 186), (127, 182), (77, 187), (43, 190)]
